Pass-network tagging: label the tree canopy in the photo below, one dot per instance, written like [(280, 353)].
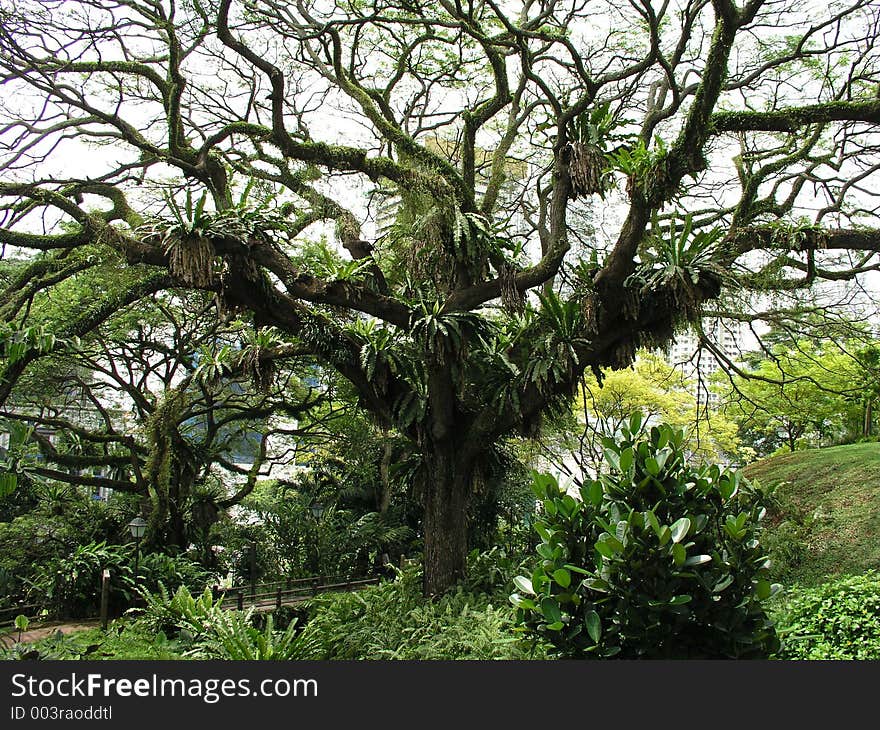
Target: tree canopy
[(567, 181)]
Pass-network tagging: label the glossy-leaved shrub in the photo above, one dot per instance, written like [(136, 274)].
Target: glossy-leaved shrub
[(655, 558)]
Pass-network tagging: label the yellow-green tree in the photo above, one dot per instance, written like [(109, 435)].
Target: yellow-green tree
[(807, 395), (657, 390)]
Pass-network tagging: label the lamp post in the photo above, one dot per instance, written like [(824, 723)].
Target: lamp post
[(138, 526)]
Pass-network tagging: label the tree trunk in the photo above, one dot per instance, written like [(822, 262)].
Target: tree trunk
[(869, 418), (445, 522)]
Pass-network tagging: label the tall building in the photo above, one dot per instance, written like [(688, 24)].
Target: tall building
[(699, 363)]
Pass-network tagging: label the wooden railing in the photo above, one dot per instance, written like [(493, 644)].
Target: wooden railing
[(8, 614), (265, 596), (262, 596)]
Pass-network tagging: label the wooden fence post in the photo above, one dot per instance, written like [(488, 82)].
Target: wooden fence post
[(278, 599), (105, 597), (240, 600)]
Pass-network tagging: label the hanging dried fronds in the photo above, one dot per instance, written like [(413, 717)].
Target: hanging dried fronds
[(254, 361), (512, 298), (586, 169), (191, 259)]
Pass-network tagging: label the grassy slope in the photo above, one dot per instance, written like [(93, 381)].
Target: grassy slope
[(827, 518)]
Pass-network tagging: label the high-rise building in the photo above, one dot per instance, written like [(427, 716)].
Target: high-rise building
[(698, 362)]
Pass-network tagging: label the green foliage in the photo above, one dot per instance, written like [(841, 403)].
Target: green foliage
[(15, 344), (172, 571), (70, 585), (835, 620), (394, 621), (491, 572), (207, 631), (123, 640), (679, 255), (656, 559), (232, 636), (12, 462), (800, 394), (48, 532)]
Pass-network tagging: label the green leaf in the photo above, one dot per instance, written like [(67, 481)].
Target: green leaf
[(626, 459), (563, 577), (527, 604), (680, 529), (8, 483), (597, 584), (679, 554), (635, 422), (611, 540), (603, 548), (596, 493), (523, 584), (680, 600), (651, 466), (550, 609), (576, 569), (697, 560), (763, 589), (594, 625), (613, 459)]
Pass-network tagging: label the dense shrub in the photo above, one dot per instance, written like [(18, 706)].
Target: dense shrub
[(394, 621), (491, 571), (63, 519), (172, 571), (656, 559), (837, 620), (70, 586)]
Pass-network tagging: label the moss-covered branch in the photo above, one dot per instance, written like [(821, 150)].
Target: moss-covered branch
[(793, 118)]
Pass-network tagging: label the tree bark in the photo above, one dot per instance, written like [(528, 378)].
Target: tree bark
[(447, 495)]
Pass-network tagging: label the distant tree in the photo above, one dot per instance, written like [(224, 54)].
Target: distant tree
[(652, 387), (803, 394), (161, 400)]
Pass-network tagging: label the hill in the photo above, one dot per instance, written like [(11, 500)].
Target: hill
[(825, 519)]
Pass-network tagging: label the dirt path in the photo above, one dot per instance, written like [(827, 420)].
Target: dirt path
[(41, 631)]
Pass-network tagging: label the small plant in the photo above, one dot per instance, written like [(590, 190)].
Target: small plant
[(21, 623), (654, 559)]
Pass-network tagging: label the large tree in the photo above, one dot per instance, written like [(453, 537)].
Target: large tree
[(494, 133)]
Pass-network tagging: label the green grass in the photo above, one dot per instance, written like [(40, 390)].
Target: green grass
[(826, 516)]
